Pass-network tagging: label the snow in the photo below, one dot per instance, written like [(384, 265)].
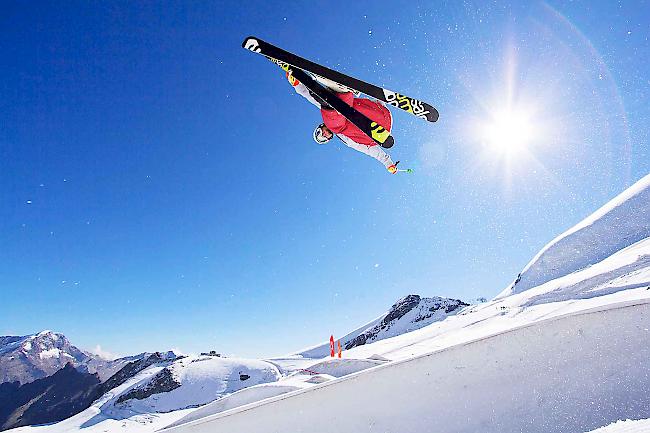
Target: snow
[(565, 350), (238, 399), (621, 222), (336, 367), (318, 372), (204, 379), (50, 353), (627, 426), (104, 416), (323, 349), (425, 312), (532, 378), (47, 332), (558, 300)]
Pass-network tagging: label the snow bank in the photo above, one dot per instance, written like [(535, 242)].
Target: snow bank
[(566, 374), (239, 398), (339, 367), (316, 373), (620, 223)]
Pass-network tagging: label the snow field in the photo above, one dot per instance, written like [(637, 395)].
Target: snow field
[(567, 374)]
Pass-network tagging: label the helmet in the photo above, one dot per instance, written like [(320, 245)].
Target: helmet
[(319, 137)]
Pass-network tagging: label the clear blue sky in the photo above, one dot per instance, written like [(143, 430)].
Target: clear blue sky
[(159, 186)]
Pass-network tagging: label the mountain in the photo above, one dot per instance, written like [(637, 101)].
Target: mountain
[(194, 381), (65, 393), (407, 314), (565, 350), (27, 358), (574, 342), (134, 367), (24, 359), (618, 224), (53, 398), (165, 391), (162, 384)]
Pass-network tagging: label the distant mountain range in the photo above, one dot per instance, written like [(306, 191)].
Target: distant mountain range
[(27, 358), (44, 378)]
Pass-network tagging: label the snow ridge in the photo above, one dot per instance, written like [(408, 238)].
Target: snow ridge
[(620, 223)]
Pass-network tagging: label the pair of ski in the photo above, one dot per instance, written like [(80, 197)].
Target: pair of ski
[(296, 66)]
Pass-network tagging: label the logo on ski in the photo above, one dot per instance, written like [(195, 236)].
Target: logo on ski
[(378, 132), (253, 45), (285, 66), (405, 103)]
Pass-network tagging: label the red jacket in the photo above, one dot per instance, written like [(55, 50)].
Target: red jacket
[(371, 109)]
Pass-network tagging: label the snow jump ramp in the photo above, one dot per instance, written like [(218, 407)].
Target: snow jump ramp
[(567, 374)]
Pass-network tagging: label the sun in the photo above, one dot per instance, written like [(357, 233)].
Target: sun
[(508, 132)]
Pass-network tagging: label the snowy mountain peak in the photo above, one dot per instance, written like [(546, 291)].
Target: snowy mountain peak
[(407, 314), (26, 358), (49, 333)]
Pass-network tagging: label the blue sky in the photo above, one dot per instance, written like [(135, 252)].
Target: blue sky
[(160, 187)]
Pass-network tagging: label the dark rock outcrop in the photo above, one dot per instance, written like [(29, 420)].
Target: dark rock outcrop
[(50, 399), (133, 368), (162, 382), (422, 312)]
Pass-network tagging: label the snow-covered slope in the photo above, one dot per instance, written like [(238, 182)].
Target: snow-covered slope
[(195, 381), (318, 372), (529, 362), (567, 355), (105, 415), (569, 373), (407, 314), (163, 393), (621, 222)]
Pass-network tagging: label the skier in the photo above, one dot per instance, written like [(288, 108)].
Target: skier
[(335, 123)]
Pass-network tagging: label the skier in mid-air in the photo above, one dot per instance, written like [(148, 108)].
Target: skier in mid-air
[(335, 123)]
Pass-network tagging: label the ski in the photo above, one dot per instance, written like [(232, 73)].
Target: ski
[(326, 97), (410, 105)]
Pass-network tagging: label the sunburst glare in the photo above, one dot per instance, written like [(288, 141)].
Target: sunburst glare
[(508, 132)]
